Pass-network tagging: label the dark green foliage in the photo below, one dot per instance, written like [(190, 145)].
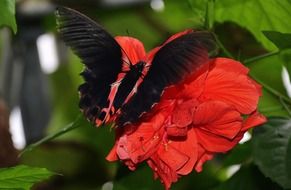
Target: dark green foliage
[(271, 150)]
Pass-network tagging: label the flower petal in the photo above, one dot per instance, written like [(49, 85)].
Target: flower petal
[(176, 130), (132, 48), (214, 143), (193, 86), (181, 117), (166, 174), (144, 141), (140, 144), (217, 130), (231, 86), (172, 157), (230, 65), (188, 147), (253, 120), (218, 118), (183, 112), (203, 157)]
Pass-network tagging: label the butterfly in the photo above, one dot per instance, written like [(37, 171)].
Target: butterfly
[(122, 82)]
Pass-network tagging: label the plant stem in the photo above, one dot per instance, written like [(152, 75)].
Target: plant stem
[(219, 43), (253, 59), (272, 90), (271, 109), (50, 137), (209, 17), (285, 106)]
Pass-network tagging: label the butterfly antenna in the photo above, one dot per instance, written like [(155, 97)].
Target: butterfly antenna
[(130, 64), (126, 62), (127, 32)]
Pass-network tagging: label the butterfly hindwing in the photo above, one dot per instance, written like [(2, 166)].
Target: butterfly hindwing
[(99, 52), (174, 61)]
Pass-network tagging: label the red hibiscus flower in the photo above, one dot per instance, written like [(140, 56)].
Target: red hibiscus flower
[(194, 120)]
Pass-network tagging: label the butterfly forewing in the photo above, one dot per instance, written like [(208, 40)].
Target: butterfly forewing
[(173, 62), (99, 52)]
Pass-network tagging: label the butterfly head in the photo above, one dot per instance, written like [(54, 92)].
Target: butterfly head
[(140, 66)]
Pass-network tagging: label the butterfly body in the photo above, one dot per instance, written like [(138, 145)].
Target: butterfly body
[(128, 83), (122, 81), (122, 90)]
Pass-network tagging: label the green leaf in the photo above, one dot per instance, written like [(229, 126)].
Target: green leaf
[(281, 40), (256, 16), (288, 159), (270, 103), (182, 15), (58, 133), (7, 14), (209, 14), (271, 150), (273, 65), (22, 177), (200, 15)]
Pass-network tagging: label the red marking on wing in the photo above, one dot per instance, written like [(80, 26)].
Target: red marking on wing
[(113, 91)]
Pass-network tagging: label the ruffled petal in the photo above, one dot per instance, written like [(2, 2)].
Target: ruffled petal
[(139, 145), (181, 118), (217, 126), (231, 86), (193, 86), (174, 130), (253, 120), (218, 118), (214, 143), (161, 170), (143, 141), (188, 147), (183, 113), (230, 65), (203, 156), (171, 156), (258, 86)]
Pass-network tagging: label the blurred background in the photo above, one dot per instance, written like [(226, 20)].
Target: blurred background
[(39, 77)]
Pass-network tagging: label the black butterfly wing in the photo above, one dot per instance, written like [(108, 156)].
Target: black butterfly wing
[(174, 61), (99, 52)]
